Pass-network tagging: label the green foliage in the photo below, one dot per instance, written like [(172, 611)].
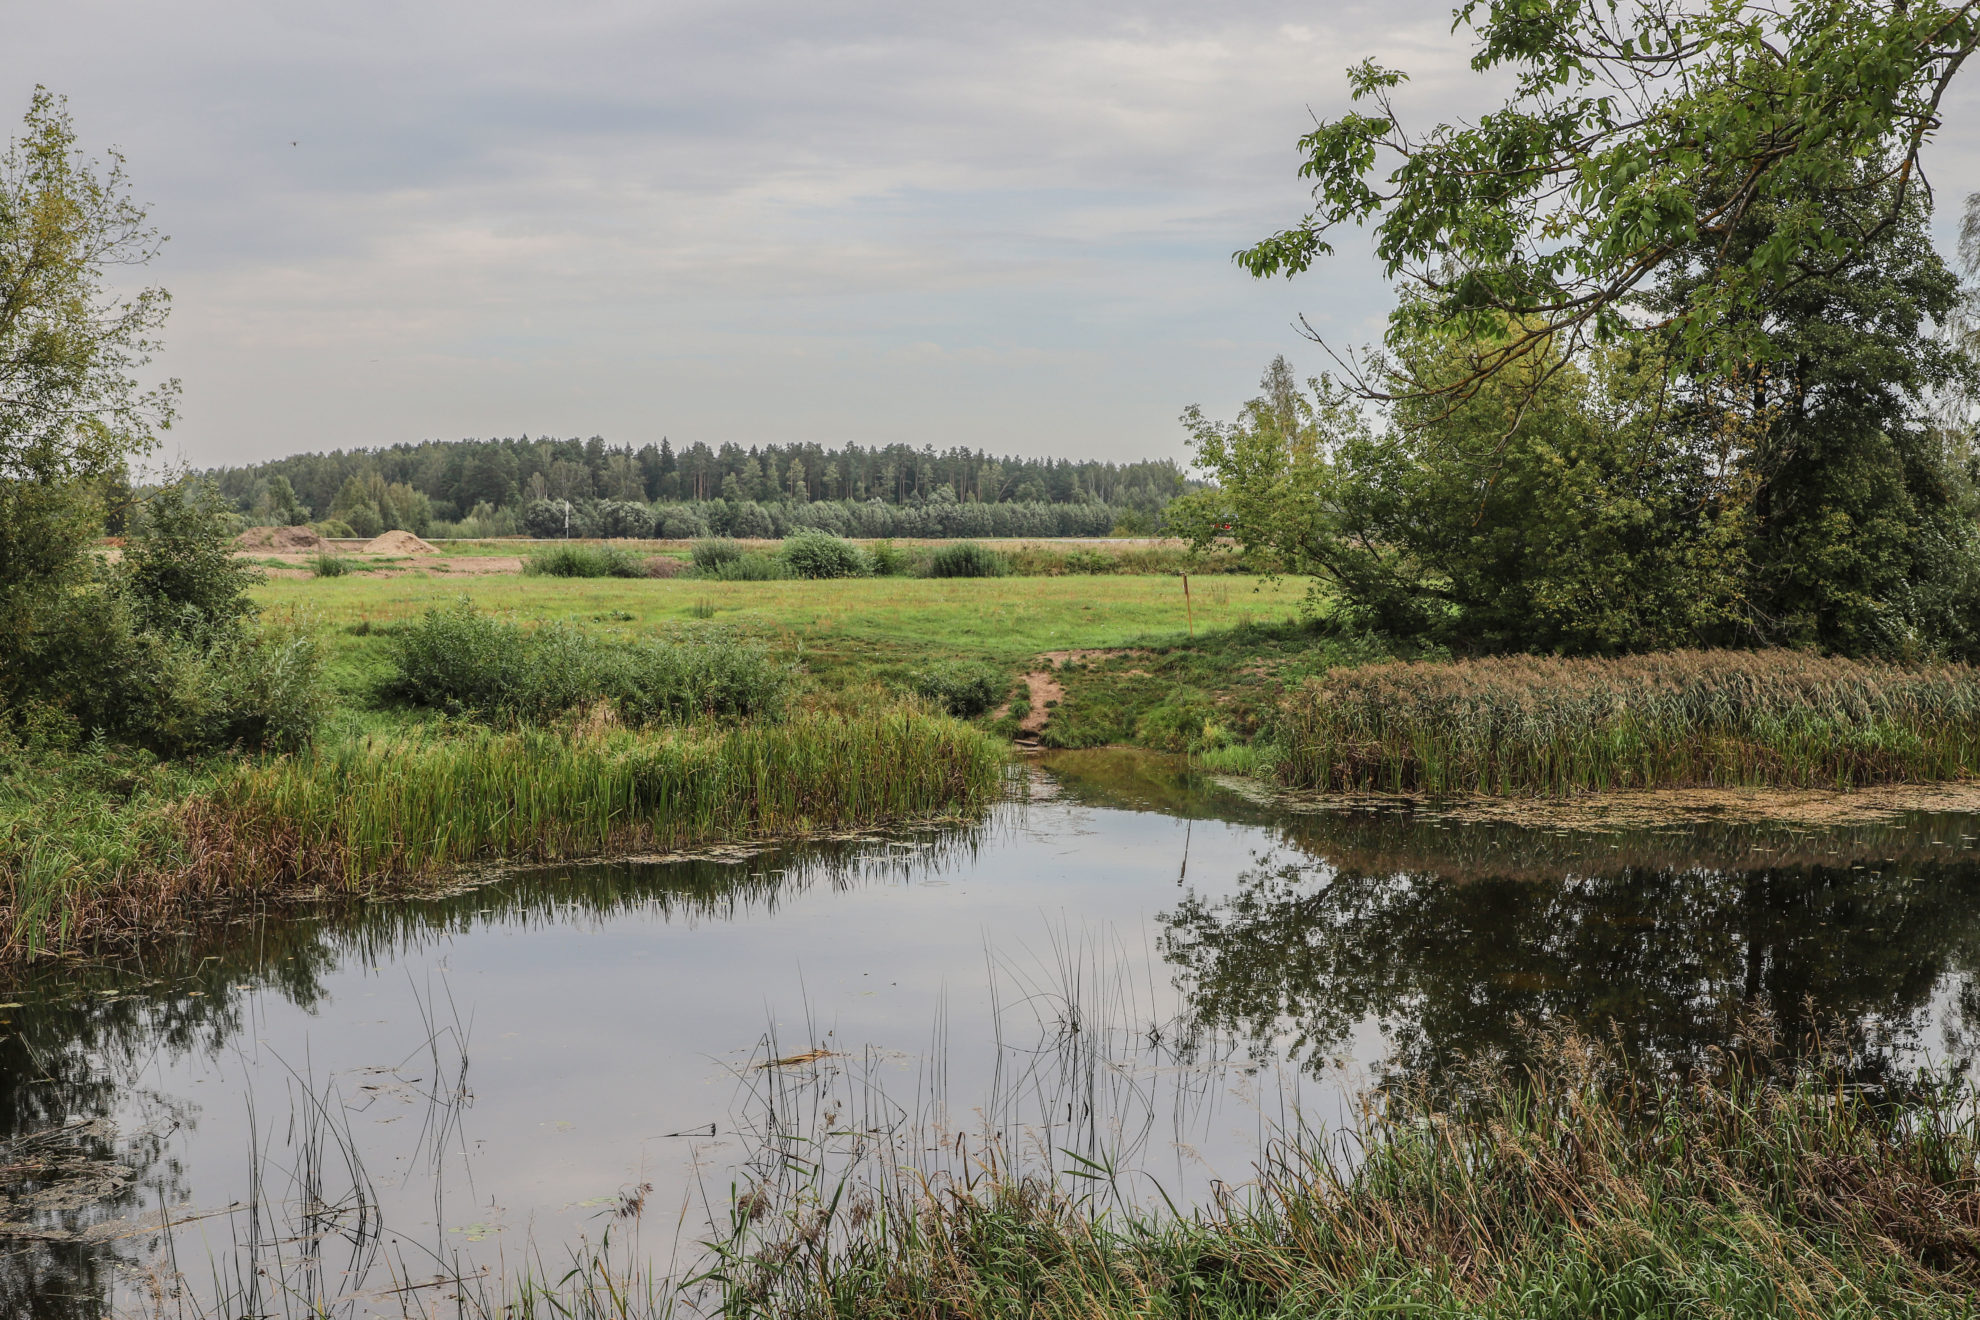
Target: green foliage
[(464, 662), (888, 559), (709, 555), (363, 815), (1633, 143), (821, 555), (584, 561), (964, 688), (326, 564), (754, 566), (180, 564), (967, 559)]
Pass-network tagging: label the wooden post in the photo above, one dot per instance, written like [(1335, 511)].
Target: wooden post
[(1188, 610)]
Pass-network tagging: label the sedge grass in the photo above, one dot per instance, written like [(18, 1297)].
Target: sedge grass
[(369, 814), (1537, 725), (1567, 1187)]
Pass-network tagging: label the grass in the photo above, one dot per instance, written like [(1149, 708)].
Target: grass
[(1677, 719), (1569, 1187), (371, 814)]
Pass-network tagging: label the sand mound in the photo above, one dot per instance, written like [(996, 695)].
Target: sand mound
[(280, 538), (398, 543)]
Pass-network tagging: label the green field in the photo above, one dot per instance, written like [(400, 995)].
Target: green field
[(848, 632)]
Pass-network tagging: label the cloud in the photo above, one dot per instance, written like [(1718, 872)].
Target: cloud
[(1003, 226)]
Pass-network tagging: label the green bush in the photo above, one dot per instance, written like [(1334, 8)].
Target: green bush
[(467, 663), (324, 564), (585, 561), (967, 559), (963, 687), (162, 650), (822, 555), (888, 559), (752, 567), (710, 555)]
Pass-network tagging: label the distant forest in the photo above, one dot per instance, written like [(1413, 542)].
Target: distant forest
[(548, 487)]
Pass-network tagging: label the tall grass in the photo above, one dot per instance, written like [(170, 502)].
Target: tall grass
[(585, 561), (1682, 718), (467, 663), (368, 815), (1568, 1188)]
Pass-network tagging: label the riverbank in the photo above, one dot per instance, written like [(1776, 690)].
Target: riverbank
[(1569, 1187), (104, 849)]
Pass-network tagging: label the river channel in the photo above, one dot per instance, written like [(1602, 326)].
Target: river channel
[(1134, 974)]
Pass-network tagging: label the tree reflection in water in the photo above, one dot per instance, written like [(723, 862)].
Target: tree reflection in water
[(1450, 938)]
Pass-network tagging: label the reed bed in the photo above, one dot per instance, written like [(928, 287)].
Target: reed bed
[(1538, 725), (1570, 1187), (378, 813)]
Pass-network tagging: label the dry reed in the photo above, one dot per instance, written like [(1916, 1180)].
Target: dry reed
[(1540, 725)]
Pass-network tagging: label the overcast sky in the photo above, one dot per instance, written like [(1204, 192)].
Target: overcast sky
[(1006, 226)]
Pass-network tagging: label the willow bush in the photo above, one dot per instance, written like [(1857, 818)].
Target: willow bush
[(1527, 724)]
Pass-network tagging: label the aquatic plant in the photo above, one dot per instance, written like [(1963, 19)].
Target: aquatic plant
[(1530, 724), (368, 815), (1565, 1187)]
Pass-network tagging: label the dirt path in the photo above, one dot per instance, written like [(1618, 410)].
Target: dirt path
[(1041, 687)]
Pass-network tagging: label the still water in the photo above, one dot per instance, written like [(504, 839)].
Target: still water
[(1134, 971)]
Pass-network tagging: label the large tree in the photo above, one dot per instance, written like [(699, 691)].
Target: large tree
[(1637, 136)]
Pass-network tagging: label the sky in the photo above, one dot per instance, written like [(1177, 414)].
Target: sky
[(1001, 226)]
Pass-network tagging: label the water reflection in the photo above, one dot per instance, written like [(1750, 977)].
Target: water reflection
[(1217, 927)]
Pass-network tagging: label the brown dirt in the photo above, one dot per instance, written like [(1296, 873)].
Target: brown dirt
[(398, 543), (280, 538), (1060, 659), (1041, 687)]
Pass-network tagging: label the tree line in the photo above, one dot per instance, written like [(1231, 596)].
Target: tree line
[(481, 487)]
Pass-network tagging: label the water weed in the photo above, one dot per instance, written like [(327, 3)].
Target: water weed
[(364, 816)]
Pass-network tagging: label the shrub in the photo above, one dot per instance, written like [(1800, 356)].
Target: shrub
[(710, 555), (967, 559), (822, 555), (752, 567), (335, 529), (962, 687), (569, 560), (672, 522), (664, 566), (888, 559), (548, 519), (325, 564), (620, 518), (467, 663)]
